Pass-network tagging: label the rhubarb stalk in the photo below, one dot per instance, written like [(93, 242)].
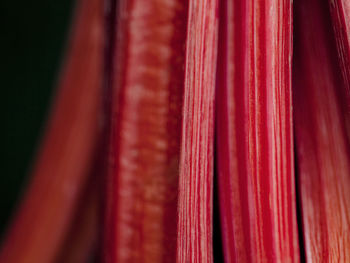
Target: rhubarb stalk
[(340, 11), (254, 132), (322, 145), (194, 242), (147, 86), (65, 158), (81, 241)]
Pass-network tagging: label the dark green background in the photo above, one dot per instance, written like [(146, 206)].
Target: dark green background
[(32, 44)]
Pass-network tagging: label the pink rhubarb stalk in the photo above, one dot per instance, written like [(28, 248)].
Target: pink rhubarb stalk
[(66, 155), (254, 132), (194, 242), (147, 82), (340, 11), (322, 145), (82, 240)]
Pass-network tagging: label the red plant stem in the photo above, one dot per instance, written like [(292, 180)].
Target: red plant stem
[(340, 11), (64, 160), (81, 241), (322, 146), (141, 221), (254, 132), (194, 242)]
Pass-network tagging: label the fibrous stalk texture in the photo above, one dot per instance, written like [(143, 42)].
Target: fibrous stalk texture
[(322, 144), (340, 12), (194, 243), (254, 132)]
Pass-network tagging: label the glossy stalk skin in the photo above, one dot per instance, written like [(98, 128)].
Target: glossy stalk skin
[(322, 145), (254, 132), (148, 81), (64, 160), (194, 242)]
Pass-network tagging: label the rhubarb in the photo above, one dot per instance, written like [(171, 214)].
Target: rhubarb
[(254, 132), (147, 86), (194, 235), (80, 243), (340, 11), (126, 169), (67, 152), (322, 145)]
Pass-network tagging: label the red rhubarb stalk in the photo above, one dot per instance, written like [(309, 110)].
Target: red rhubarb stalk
[(322, 145), (148, 80), (254, 132), (81, 241), (66, 154), (194, 242), (340, 11)]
